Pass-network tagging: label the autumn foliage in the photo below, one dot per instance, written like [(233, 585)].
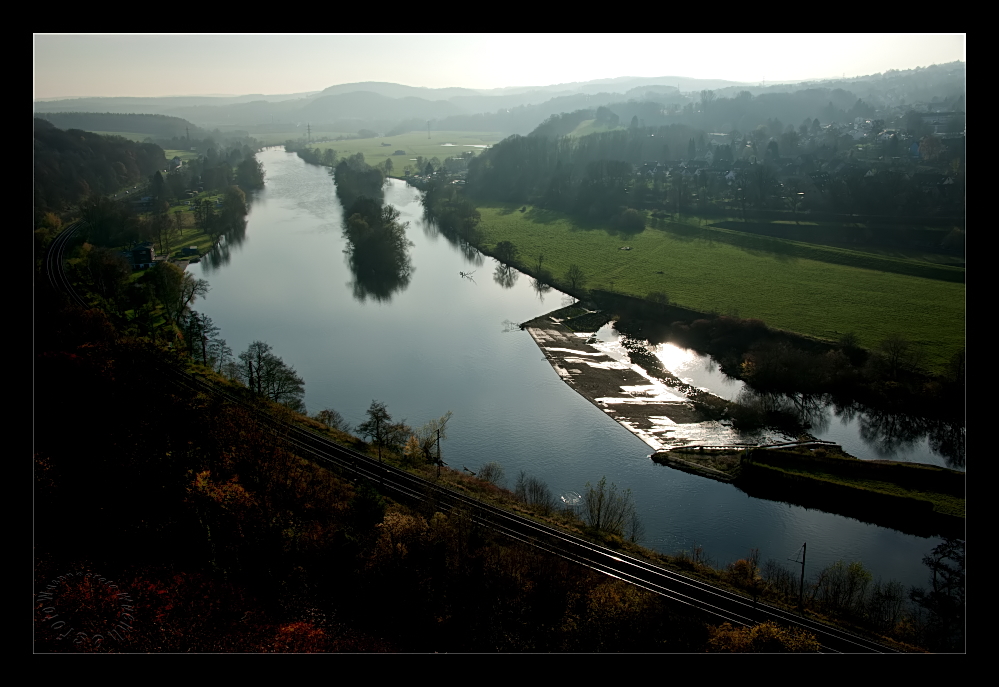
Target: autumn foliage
[(766, 638)]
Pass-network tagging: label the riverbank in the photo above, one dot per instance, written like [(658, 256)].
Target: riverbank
[(692, 431), (923, 500)]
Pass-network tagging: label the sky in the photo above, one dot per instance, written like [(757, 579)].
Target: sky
[(78, 65)]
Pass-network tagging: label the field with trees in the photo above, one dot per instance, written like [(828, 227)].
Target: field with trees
[(415, 144), (699, 269)]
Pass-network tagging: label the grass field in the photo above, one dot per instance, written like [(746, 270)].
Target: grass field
[(832, 234), (441, 144), (279, 137), (590, 126), (701, 269), (131, 135), (182, 154)]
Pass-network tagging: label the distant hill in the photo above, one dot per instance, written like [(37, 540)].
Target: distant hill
[(383, 106), (162, 105), (372, 106), (70, 168), (394, 90), (159, 126)]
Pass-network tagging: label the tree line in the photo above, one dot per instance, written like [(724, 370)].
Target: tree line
[(590, 174), (70, 166), (355, 178), (156, 126)]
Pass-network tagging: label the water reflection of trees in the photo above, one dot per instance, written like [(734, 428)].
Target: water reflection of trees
[(432, 230), (887, 434), (505, 276), (947, 440), (789, 412), (470, 253), (540, 288), (230, 240), (890, 433), (377, 250)]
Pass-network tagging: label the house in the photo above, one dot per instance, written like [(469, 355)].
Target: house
[(943, 122), (399, 152), (175, 163), (143, 256), (820, 179), (190, 250)]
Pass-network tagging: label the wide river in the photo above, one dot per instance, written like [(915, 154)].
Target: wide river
[(446, 342)]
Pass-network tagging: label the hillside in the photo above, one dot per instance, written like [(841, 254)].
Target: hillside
[(155, 125)]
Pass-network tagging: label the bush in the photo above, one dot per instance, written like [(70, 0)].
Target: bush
[(780, 581), (767, 638), (491, 472), (534, 492), (605, 509), (631, 220)]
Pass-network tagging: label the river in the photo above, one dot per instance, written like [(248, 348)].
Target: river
[(444, 341)]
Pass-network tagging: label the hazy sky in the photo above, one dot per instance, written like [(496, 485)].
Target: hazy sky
[(156, 65)]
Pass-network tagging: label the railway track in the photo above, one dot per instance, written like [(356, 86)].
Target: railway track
[(55, 263), (717, 604)]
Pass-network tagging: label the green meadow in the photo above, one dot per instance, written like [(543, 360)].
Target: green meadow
[(441, 144), (184, 155), (130, 135), (591, 126), (813, 290), (279, 137)]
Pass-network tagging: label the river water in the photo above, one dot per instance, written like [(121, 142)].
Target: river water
[(443, 341)]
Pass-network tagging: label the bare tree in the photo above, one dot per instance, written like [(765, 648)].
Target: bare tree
[(332, 419), (659, 298), (505, 252), (269, 376), (897, 354), (491, 472), (430, 435), (606, 509), (574, 275), (707, 98), (534, 492)]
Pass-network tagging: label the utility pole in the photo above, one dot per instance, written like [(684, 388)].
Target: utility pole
[(204, 341), (801, 587), (378, 437), (378, 440)]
